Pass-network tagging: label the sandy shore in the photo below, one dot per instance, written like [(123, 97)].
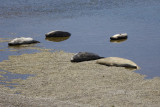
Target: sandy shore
[(58, 82)]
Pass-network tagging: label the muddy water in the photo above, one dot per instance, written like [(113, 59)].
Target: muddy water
[(91, 23)]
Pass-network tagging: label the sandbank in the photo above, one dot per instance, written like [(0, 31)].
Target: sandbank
[(61, 83)]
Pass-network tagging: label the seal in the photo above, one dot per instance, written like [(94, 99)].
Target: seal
[(118, 62), (119, 36), (22, 40), (58, 33), (84, 56)]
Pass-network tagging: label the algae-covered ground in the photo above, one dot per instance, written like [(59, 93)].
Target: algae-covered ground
[(58, 82)]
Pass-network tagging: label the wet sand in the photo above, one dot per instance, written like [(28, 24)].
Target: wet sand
[(58, 82)]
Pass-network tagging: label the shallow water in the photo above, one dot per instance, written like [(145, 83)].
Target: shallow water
[(7, 78), (91, 23)]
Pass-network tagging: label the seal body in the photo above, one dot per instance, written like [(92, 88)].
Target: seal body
[(118, 62), (22, 40), (119, 36), (84, 56), (58, 33)]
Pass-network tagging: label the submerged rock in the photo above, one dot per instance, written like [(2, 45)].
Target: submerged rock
[(84, 56), (22, 40), (119, 36), (116, 61), (58, 34)]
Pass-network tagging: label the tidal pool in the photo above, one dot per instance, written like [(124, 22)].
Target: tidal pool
[(7, 77)]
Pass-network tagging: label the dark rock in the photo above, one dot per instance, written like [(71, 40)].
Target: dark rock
[(58, 34), (22, 40), (84, 56), (119, 36)]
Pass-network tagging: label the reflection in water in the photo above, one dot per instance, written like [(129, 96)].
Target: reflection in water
[(118, 41), (56, 39), (24, 46)]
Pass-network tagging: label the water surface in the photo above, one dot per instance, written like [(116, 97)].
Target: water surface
[(91, 23)]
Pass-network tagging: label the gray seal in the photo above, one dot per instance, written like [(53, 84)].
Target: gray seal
[(119, 62), (21, 41), (58, 33), (84, 56), (119, 36)]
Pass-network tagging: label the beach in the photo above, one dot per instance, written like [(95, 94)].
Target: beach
[(58, 82)]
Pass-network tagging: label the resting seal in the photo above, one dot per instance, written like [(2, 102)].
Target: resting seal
[(22, 40), (119, 36), (84, 56), (58, 33), (118, 62)]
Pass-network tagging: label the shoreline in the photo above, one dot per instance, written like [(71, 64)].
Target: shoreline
[(58, 81)]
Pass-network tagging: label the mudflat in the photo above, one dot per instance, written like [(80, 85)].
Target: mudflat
[(59, 82)]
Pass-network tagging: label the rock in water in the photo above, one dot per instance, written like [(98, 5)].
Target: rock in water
[(119, 36), (58, 34), (22, 40), (116, 61), (84, 56)]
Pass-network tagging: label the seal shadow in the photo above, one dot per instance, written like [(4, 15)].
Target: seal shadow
[(56, 39), (118, 41), (23, 46)]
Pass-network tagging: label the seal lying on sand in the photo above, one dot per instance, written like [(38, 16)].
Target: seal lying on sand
[(58, 33), (119, 62), (119, 36), (84, 56), (22, 40)]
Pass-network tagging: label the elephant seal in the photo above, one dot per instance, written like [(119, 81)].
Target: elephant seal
[(84, 56), (119, 36), (22, 40), (58, 33), (119, 62)]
